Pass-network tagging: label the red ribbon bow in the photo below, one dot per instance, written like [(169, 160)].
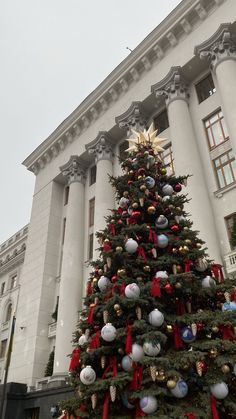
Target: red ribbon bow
[(95, 342), (91, 314), (155, 287), (111, 367), (214, 408), (75, 360), (105, 414), (129, 340), (227, 332), (137, 378), (177, 337), (112, 229), (188, 265), (152, 236), (217, 272), (141, 253)]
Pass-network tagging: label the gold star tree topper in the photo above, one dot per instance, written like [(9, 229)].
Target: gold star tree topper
[(146, 137)]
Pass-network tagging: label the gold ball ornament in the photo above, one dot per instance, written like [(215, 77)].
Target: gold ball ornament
[(215, 329), (225, 369), (187, 241), (116, 307), (121, 272), (163, 171), (174, 250), (178, 285), (119, 249), (106, 241), (146, 268), (125, 194), (171, 384), (213, 353), (135, 205), (140, 177), (151, 210), (143, 188), (186, 228), (160, 376), (198, 245), (95, 280), (169, 328)]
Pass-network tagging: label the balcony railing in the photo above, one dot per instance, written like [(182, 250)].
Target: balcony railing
[(230, 262), (52, 328)]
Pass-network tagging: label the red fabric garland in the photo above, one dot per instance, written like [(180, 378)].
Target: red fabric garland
[(129, 340), (91, 314), (214, 408), (139, 413), (227, 332), (75, 360), (137, 378), (188, 265), (89, 288), (141, 253), (95, 341), (177, 337), (180, 307), (111, 367), (122, 289), (112, 229), (152, 236), (105, 414), (217, 272), (155, 287)]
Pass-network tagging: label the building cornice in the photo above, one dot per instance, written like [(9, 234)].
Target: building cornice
[(134, 117), (101, 147), (153, 48), (173, 86)]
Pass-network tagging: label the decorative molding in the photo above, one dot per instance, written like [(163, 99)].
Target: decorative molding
[(13, 260), (173, 87), (134, 118), (167, 33), (221, 46), (101, 147), (73, 170)]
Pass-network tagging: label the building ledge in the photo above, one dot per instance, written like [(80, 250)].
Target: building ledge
[(220, 192)]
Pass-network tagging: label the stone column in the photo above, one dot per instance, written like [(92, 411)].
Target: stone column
[(186, 156), (71, 285), (220, 51), (104, 195), (133, 118)]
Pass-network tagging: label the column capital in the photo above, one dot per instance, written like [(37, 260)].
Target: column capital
[(101, 147), (173, 87), (221, 46), (133, 118), (74, 170)]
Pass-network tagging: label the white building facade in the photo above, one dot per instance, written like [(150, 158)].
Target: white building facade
[(182, 77)]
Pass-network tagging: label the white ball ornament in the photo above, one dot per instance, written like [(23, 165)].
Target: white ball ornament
[(219, 390), (104, 283), (161, 274), (137, 352), (180, 390), (131, 246), (150, 182), (201, 265), (123, 202), (87, 376), (162, 241), (167, 190), (156, 318), (151, 349), (132, 291), (83, 340), (127, 363), (161, 222), (166, 198), (208, 282), (108, 332), (148, 404), (151, 160), (229, 306)]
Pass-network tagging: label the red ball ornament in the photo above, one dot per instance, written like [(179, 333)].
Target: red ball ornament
[(168, 288), (200, 326), (114, 278), (175, 228), (130, 182), (178, 187), (136, 214), (203, 366), (141, 171), (120, 222)]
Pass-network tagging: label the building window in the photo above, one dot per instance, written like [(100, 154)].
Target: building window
[(92, 175), (225, 169), (91, 211), (3, 348), (13, 281), (90, 252), (205, 88), (230, 222), (32, 413), (66, 195), (161, 121), (167, 157), (63, 231), (122, 150), (8, 313), (2, 288), (216, 129)]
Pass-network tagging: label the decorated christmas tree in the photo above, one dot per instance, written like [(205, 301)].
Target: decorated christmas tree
[(157, 334)]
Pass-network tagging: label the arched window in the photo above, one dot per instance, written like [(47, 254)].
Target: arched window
[(8, 312)]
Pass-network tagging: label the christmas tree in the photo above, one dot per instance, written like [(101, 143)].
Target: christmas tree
[(157, 334)]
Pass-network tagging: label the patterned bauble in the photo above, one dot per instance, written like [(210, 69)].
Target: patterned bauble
[(219, 390), (229, 306), (150, 182), (87, 376), (151, 349), (131, 246), (123, 202), (161, 222), (132, 291), (161, 274), (208, 282), (156, 318), (187, 335), (167, 190), (108, 332), (127, 363), (148, 404), (162, 241), (177, 187), (83, 340), (103, 283), (180, 390), (137, 353)]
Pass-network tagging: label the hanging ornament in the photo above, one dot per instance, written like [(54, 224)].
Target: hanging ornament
[(123, 202), (160, 376), (178, 187), (161, 222), (187, 335), (167, 190), (83, 340), (168, 288), (151, 210), (201, 265), (105, 316), (138, 313), (127, 363), (121, 272), (213, 353), (103, 283), (208, 282), (175, 228), (156, 318), (231, 306), (219, 390), (94, 399), (87, 375), (108, 332), (103, 361), (225, 369), (150, 182), (137, 353), (169, 328), (147, 268), (148, 404), (131, 246), (201, 368), (151, 349), (132, 291), (180, 390), (161, 274), (171, 383), (215, 329), (153, 370), (113, 393), (142, 188), (162, 241), (119, 249)]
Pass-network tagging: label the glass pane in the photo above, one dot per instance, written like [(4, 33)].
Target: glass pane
[(224, 158), (217, 162), (220, 178), (231, 154), (217, 133), (207, 123), (233, 165), (225, 131), (228, 174), (211, 140), (214, 118)]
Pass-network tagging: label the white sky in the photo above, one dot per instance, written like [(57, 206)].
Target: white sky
[(53, 54)]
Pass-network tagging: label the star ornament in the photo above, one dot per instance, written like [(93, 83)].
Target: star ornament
[(146, 137)]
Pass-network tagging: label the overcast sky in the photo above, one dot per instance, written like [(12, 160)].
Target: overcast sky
[(53, 54)]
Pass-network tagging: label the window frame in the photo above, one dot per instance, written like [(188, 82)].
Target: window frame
[(92, 175), (207, 119), (197, 84), (90, 245), (13, 278), (3, 351), (228, 227), (170, 153), (66, 194), (2, 290), (220, 168), (91, 212), (163, 112)]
